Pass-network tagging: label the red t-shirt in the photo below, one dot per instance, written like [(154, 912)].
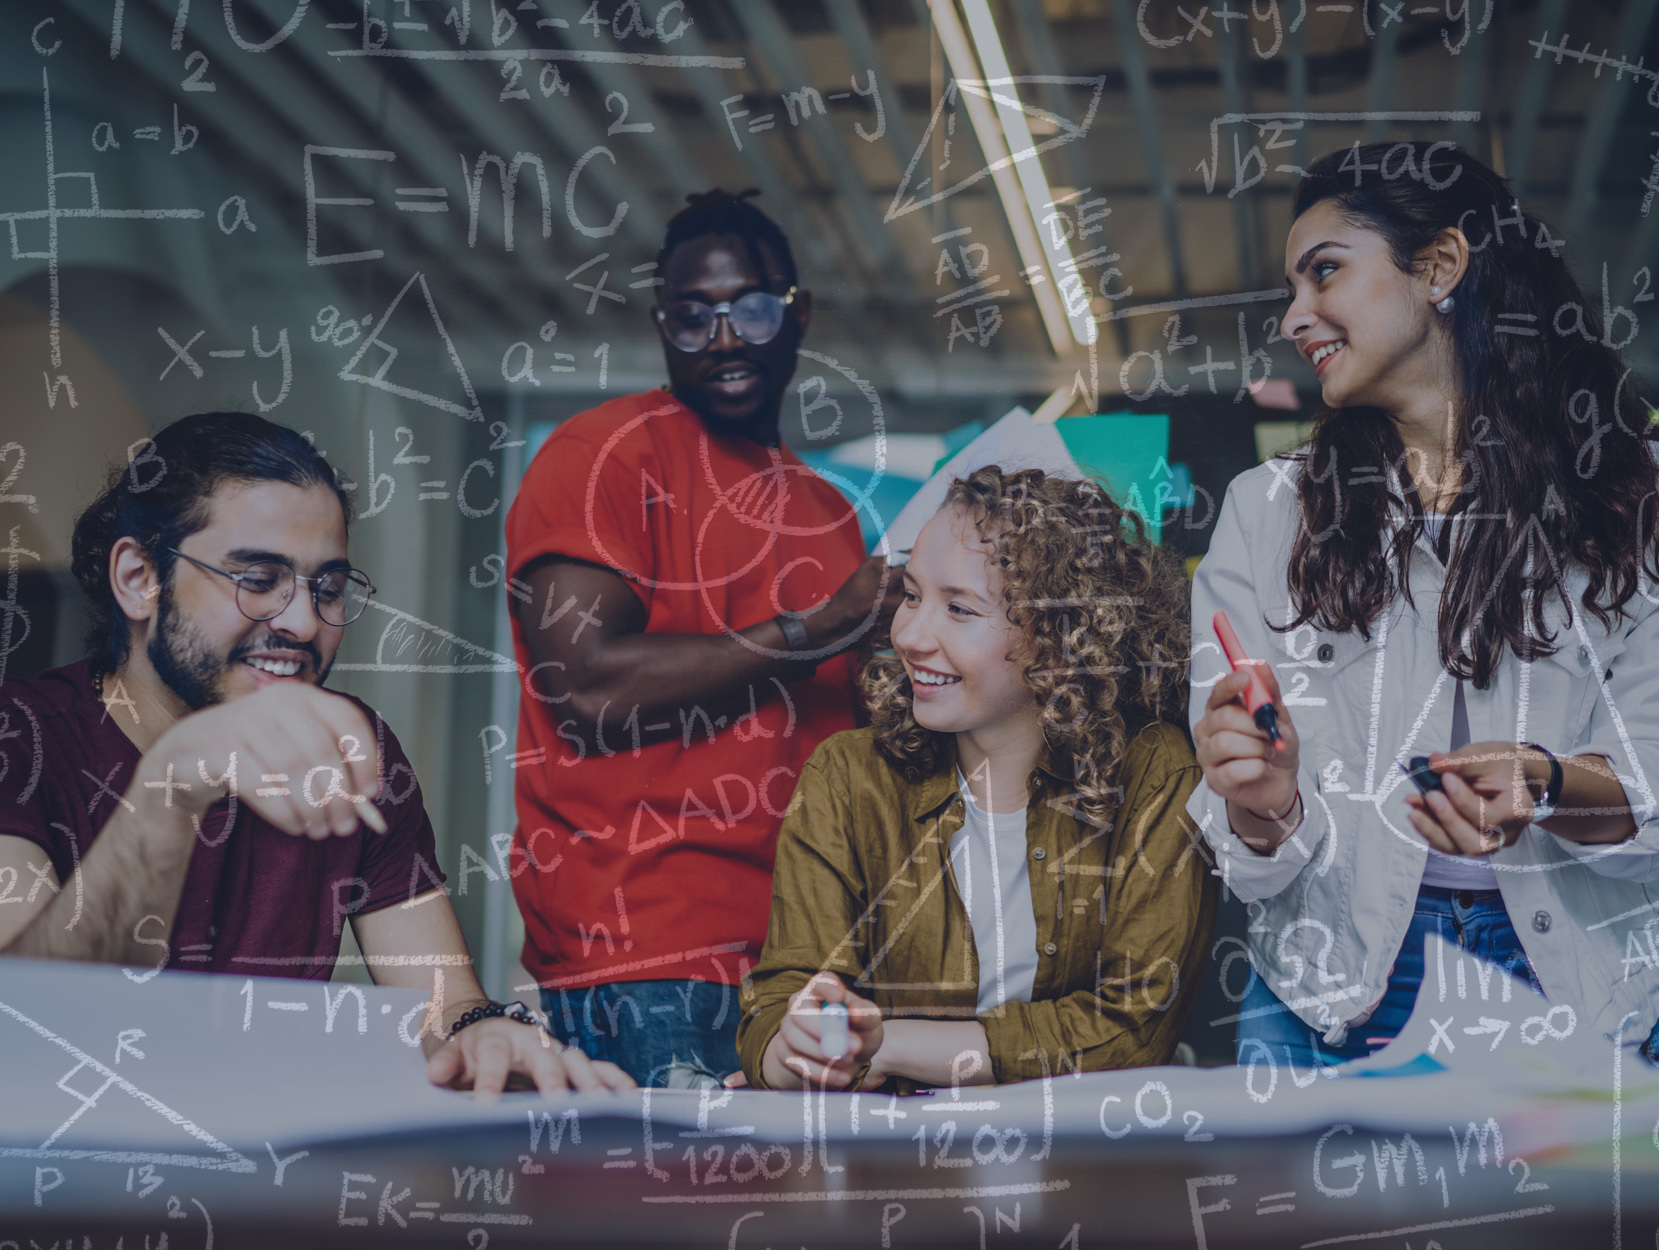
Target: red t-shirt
[(656, 862), (256, 900)]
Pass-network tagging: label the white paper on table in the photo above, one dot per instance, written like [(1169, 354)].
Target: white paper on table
[(201, 1067), (202, 1071)]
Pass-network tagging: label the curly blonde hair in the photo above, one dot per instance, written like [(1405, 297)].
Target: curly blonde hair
[(1103, 615)]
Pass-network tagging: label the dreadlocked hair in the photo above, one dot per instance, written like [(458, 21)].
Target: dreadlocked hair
[(719, 212), (1103, 619)]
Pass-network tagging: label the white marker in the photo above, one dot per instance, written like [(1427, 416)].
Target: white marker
[(834, 1040)]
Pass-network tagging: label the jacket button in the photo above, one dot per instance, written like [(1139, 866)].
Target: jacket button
[(1050, 948), (1541, 921), (1326, 653), (1039, 853), (1583, 655)]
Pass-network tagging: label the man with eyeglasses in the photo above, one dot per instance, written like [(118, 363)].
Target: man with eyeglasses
[(189, 796), (694, 593)]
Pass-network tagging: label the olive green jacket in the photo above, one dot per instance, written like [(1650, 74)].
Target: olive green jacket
[(863, 887)]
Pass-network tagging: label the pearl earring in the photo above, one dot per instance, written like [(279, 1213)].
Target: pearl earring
[(1446, 305), (1434, 290)]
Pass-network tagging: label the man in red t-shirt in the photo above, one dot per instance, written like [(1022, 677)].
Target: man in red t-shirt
[(190, 796), (694, 593)]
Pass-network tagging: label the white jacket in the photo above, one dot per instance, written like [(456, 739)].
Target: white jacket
[(1330, 907)]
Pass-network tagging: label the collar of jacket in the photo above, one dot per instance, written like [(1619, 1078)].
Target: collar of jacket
[(938, 790)]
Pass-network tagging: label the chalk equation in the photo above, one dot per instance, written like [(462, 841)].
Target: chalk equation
[(586, 542)]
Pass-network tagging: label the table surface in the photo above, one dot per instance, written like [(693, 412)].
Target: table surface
[(484, 1187), (194, 1111)]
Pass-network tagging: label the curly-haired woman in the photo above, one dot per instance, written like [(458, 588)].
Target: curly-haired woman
[(995, 878), (1459, 566)]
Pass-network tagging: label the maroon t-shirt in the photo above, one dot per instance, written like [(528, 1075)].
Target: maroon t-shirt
[(256, 900)]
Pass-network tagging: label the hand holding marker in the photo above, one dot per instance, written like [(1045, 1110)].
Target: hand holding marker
[(1422, 775), (1256, 699), (834, 1040)]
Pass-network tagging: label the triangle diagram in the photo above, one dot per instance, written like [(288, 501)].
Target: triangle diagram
[(907, 197), (410, 645), (94, 1104), (411, 323), (887, 897)]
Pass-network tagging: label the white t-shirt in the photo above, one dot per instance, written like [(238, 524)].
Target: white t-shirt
[(988, 856), (1455, 872)]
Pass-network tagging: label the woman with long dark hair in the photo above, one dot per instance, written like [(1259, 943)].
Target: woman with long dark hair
[(1460, 566)]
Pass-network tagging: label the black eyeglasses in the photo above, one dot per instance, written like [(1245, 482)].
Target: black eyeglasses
[(263, 590), (756, 318)]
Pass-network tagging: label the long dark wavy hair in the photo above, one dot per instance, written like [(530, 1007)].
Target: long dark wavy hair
[(1103, 620), (1552, 443)]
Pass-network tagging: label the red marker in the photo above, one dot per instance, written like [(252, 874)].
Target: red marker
[(1256, 699)]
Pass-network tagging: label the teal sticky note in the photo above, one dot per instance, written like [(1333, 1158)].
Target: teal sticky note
[(1129, 453)]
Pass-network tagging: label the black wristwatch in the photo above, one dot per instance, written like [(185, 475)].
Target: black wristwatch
[(1544, 806), (794, 631)]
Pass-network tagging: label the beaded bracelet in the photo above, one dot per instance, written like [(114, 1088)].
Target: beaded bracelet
[(515, 1011)]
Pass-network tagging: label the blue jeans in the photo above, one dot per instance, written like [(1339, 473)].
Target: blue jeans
[(675, 1034), (1474, 919)]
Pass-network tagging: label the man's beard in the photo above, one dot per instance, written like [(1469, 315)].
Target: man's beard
[(190, 668)]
